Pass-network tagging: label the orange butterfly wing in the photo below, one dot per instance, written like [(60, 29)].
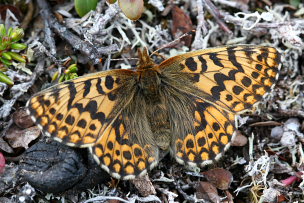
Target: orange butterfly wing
[(221, 81), (87, 112)]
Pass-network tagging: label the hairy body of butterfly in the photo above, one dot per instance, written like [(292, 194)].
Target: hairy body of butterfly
[(185, 105)]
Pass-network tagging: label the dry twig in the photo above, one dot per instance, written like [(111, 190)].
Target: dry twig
[(216, 14), (91, 51)]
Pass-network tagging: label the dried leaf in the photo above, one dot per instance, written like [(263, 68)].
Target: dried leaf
[(207, 192), (5, 147), (22, 119), (144, 186), (181, 24), (22, 138), (221, 178), (229, 198), (239, 140)]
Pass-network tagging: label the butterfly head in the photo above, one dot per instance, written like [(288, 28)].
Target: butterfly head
[(145, 61)]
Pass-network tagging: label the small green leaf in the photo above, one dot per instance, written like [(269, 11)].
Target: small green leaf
[(73, 75), (72, 68), (17, 57), (84, 6), (5, 79), (9, 31), (55, 76), (132, 8), (18, 46), (6, 56), (61, 78), (5, 61), (2, 46), (67, 77), (2, 30)]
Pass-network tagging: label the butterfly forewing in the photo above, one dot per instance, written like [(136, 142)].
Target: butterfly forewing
[(74, 112), (233, 77)]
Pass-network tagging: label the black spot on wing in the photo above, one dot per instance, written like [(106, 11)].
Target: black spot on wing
[(72, 92), (109, 83), (258, 67), (233, 60), (255, 75), (59, 116), (82, 123), (70, 120), (216, 92), (216, 126), (47, 102), (201, 141), (112, 96), (204, 64), (110, 145), (127, 155), (191, 64), (246, 81), (137, 152), (215, 59), (91, 107), (189, 143), (87, 88), (237, 90), (229, 97), (92, 127), (52, 111), (99, 87)]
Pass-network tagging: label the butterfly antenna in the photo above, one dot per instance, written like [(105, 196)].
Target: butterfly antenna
[(121, 59), (174, 41)]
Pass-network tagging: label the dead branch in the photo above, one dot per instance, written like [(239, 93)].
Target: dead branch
[(91, 51), (29, 15), (216, 14)]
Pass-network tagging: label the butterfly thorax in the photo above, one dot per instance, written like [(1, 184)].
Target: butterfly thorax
[(149, 84)]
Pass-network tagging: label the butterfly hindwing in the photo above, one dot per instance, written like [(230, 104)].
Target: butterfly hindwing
[(127, 149), (119, 152), (211, 136)]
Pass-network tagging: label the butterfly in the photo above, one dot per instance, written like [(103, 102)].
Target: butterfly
[(185, 105)]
